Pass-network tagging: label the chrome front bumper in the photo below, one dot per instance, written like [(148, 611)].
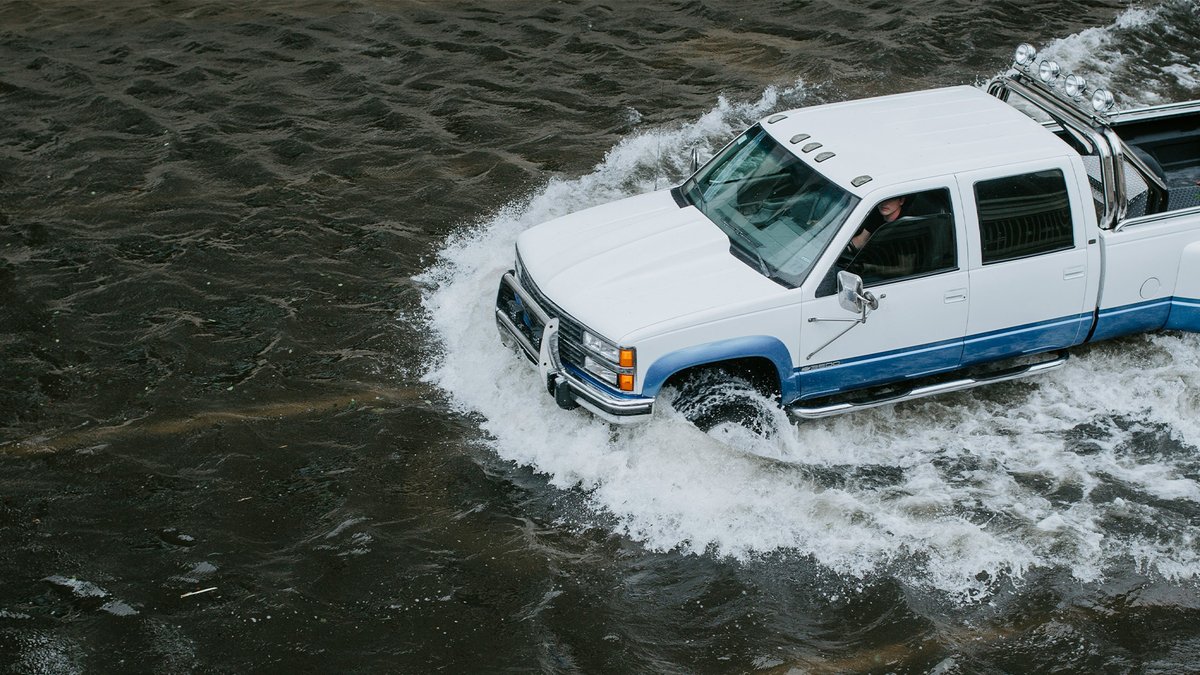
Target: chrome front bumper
[(568, 388)]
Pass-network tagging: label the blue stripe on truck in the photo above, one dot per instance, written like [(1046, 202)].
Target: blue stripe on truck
[(1029, 338), (863, 371), (1185, 315), (927, 359), (898, 364), (1137, 317)]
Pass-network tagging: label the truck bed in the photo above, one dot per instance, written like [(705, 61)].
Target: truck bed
[(1173, 142)]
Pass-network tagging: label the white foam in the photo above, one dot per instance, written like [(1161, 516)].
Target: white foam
[(955, 493), (1188, 75), (1093, 53)]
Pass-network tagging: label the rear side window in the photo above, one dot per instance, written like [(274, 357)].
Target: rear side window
[(1022, 216)]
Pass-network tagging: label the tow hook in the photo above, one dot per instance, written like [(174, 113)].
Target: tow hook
[(562, 394)]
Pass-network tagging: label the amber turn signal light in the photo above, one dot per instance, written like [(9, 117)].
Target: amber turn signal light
[(627, 359), (625, 382)]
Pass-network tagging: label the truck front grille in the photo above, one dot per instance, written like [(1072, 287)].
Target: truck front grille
[(570, 331)]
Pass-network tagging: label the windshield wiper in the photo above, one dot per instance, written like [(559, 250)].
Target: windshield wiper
[(754, 178), (694, 194), (751, 248)]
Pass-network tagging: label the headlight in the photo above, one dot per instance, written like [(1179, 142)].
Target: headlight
[(600, 369), (610, 363), (600, 347)]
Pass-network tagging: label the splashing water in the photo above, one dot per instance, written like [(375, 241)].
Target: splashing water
[(1144, 56), (1088, 469)]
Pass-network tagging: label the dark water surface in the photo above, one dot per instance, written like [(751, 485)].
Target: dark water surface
[(253, 416)]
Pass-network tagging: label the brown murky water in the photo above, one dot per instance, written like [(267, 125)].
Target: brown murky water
[(253, 416)]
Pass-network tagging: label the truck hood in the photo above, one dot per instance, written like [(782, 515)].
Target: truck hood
[(630, 264)]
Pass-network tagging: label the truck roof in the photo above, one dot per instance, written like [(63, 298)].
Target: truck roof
[(902, 137)]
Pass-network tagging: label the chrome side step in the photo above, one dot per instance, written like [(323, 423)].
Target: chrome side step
[(816, 412)]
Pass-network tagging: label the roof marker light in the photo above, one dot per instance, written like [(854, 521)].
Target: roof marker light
[(1025, 54), (810, 147), (800, 137), (1074, 86), (821, 157), (1048, 71), (861, 181), (1102, 100), (775, 118)]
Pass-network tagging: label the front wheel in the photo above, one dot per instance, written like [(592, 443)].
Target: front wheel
[(712, 397)]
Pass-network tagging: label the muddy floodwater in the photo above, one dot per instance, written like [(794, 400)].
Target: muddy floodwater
[(255, 415)]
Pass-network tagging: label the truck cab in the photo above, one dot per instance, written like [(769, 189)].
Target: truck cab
[(860, 253)]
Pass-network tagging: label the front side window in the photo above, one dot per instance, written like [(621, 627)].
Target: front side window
[(1025, 215), (905, 236), (777, 211)]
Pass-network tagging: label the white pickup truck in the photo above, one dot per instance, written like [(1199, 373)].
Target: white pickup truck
[(855, 254)]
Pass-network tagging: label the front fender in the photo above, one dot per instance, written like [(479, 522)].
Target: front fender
[(754, 346)]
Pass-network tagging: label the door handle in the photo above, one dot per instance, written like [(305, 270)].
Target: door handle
[(1074, 273), (956, 295)]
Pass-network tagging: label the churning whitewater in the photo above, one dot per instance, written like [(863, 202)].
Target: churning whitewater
[(958, 493)]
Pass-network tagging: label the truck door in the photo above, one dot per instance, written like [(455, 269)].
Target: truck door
[(915, 266), (1029, 276)]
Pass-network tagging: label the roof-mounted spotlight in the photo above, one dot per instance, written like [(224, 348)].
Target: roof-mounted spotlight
[(1074, 86), (1048, 71), (1024, 55), (1102, 100)]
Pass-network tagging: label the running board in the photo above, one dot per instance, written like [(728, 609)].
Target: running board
[(832, 409)]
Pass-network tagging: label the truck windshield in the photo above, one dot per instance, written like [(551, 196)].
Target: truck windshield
[(778, 212)]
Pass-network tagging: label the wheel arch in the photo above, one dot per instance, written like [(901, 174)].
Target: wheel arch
[(760, 354)]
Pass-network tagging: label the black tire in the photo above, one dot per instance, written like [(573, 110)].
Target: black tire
[(711, 397)]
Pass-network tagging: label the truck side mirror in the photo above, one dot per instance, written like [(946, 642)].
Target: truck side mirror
[(852, 298), (851, 295)]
